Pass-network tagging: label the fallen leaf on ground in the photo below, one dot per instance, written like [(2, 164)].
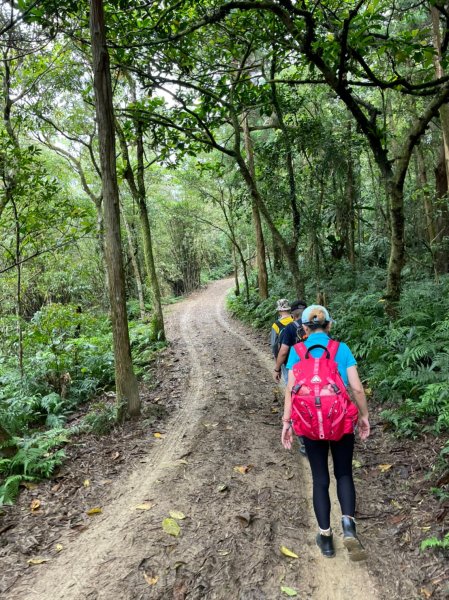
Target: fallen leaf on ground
[(176, 514), (222, 488), (158, 435), (86, 483), (356, 464), (94, 511), (37, 561), (223, 552), (396, 504), (116, 455), (274, 410), (245, 518), (171, 527), (213, 425), (288, 552), (243, 469), (426, 592), (29, 485), (289, 591), (59, 547), (383, 468), (35, 505), (144, 506), (151, 580)]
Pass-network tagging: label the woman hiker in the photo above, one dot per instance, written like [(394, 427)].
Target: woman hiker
[(317, 324)]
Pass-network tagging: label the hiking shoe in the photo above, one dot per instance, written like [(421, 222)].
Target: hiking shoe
[(326, 544), (353, 545)]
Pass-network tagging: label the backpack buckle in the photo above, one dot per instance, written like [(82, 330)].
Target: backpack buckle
[(296, 388), (317, 401)]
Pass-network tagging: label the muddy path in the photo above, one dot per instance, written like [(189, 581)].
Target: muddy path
[(236, 522)]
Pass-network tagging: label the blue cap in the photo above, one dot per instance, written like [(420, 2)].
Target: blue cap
[(317, 314)]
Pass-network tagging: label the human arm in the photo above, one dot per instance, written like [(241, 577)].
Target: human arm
[(287, 434), (281, 359), (360, 399)]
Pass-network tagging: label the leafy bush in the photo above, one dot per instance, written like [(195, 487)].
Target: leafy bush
[(434, 542), (68, 358), (37, 457), (101, 418)]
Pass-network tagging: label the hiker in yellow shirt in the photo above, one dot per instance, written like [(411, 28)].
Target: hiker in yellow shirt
[(284, 309)]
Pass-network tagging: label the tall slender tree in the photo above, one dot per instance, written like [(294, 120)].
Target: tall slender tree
[(126, 383)]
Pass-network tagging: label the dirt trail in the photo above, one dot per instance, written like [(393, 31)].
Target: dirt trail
[(229, 545)]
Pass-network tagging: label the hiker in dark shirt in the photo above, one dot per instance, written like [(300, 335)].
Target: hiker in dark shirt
[(291, 335)]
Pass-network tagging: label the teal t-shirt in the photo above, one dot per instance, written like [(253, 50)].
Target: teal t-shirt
[(344, 357)]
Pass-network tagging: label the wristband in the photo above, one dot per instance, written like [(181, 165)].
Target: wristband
[(277, 370), (287, 420)]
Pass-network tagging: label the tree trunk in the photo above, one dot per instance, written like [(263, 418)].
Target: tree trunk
[(157, 320), (289, 250), (18, 287), (350, 195), (135, 265), (427, 200), (260, 243), (236, 272), (397, 250), (277, 255), (126, 383), (137, 188), (442, 220), (444, 109)]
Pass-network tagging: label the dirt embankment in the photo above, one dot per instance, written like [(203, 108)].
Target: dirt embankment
[(220, 463)]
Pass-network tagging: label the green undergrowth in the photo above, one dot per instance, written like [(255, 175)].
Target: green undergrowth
[(68, 361), (404, 362)]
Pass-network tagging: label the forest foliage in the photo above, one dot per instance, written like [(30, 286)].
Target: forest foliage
[(301, 147)]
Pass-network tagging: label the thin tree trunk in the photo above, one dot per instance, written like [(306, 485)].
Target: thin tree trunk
[(126, 383), (444, 109), (236, 272), (442, 220), (260, 242), (137, 188), (18, 288), (350, 194), (397, 250), (277, 254), (428, 207), (157, 319), (135, 266)]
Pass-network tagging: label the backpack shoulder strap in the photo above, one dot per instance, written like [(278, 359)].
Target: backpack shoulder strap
[(277, 325), (301, 350), (333, 347)]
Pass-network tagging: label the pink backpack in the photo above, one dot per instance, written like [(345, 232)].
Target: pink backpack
[(321, 406)]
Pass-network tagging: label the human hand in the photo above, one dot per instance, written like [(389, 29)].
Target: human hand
[(276, 375), (287, 436), (364, 428)]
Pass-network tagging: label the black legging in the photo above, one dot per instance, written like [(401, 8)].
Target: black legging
[(342, 451)]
